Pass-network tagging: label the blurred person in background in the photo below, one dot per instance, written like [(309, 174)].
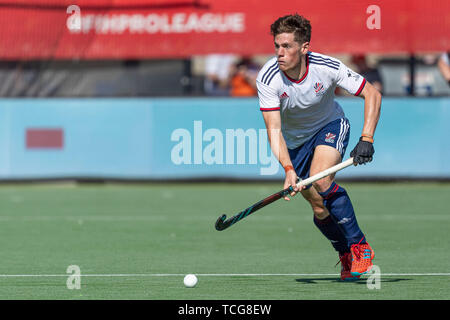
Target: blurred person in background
[(243, 80), (217, 74), (370, 74), (444, 66)]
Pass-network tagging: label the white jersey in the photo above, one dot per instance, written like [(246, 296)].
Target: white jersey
[(306, 105)]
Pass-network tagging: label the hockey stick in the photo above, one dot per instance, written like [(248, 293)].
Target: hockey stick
[(222, 222)]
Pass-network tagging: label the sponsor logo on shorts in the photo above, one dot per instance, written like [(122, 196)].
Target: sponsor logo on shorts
[(329, 137)]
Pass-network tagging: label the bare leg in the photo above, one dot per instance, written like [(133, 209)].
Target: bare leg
[(324, 158)]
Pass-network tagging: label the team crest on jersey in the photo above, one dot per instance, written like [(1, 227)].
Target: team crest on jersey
[(318, 88), (329, 137)]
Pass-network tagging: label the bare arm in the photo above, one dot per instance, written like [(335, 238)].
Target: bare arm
[(272, 120), (372, 108), (276, 139), (363, 151)]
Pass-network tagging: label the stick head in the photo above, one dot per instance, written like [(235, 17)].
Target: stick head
[(220, 223)]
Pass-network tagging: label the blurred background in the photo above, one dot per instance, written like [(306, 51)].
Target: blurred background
[(165, 89)]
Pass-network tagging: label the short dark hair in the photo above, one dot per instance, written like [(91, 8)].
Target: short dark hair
[(294, 23)]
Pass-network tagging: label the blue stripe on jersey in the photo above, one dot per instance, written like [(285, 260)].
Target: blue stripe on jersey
[(273, 75), (334, 63), (270, 76), (327, 60), (268, 72), (323, 63)]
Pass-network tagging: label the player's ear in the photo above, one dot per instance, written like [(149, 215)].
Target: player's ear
[(304, 48)]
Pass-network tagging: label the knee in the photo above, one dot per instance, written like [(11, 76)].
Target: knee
[(319, 209), (322, 185)]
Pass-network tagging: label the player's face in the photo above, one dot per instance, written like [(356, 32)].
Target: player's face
[(289, 52)]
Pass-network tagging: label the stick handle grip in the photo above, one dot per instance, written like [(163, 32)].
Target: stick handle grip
[(326, 172)]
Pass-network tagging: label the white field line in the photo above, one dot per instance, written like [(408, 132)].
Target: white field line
[(167, 217), (211, 275)]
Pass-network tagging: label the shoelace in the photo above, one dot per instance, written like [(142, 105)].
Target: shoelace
[(357, 250)]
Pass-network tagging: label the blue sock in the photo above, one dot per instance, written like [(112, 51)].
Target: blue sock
[(331, 231), (338, 203)]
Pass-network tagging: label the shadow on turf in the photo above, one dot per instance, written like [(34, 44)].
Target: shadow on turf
[(360, 281)]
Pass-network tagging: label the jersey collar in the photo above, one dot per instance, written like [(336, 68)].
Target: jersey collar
[(304, 76)]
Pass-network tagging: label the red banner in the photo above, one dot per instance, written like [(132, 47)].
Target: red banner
[(126, 29)]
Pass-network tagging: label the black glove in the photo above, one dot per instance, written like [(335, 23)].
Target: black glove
[(363, 152)]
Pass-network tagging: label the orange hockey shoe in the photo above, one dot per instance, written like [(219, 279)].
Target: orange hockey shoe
[(362, 256)]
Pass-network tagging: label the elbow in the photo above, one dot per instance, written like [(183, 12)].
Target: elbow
[(377, 96), (376, 93)]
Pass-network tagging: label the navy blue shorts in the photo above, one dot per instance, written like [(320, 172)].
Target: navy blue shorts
[(335, 134)]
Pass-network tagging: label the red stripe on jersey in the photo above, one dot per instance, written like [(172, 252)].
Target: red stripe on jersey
[(361, 87)]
